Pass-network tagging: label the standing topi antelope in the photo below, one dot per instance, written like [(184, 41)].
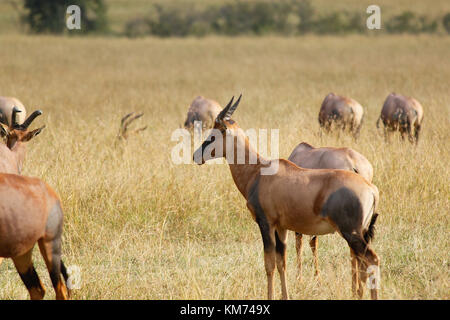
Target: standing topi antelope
[(12, 154), (30, 212), (204, 110), (312, 202), (306, 156), (344, 113), (6, 108), (401, 113)]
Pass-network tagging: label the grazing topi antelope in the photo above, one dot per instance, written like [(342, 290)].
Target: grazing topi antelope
[(30, 212), (306, 156), (312, 202), (12, 154), (345, 113), (401, 113), (204, 110)]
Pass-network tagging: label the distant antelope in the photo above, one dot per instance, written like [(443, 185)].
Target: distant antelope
[(30, 212), (12, 154), (6, 107), (306, 156), (344, 112), (204, 110), (402, 113), (125, 122), (312, 202)]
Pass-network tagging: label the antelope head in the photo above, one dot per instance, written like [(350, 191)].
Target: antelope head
[(19, 132), (125, 122), (217, 139)]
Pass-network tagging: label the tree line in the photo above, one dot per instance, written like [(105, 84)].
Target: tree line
[(284, 17)]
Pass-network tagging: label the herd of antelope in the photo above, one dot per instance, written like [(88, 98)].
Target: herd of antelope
[(316, 191)]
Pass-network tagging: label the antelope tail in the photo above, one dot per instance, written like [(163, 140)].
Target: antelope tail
[(370, 233)]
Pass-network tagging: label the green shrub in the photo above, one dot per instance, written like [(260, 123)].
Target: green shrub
[(409, 22), (446, 22), (285, 17), (340, 23), (138, 27), (43, 16), (305, 13)]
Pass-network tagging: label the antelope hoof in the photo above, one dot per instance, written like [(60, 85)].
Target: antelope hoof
[(374, 294), (37, 293)]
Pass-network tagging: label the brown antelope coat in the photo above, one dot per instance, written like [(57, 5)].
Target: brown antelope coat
[(306, 156), (401, 113), (202, 109), (30, 212)]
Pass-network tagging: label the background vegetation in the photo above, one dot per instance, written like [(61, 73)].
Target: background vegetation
[(181, 18), (50, 16)]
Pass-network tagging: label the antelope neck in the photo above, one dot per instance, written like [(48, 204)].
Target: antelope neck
[(19, 150), (244, 174)]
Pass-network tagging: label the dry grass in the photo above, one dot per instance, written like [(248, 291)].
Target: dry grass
[(141, 227)]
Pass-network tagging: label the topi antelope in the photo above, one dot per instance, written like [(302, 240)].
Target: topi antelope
[(125, 122), (401, 113), (306, 156), (344, 112), (7, 105), (204, 110), (312, 202), (30, 212), (12, 154)]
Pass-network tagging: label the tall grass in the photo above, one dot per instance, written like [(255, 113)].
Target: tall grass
[(141, 227)]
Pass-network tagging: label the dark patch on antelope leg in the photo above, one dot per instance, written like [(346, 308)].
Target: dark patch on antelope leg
[(25, 268), (261, 218), (64, 271), (280, 247), (55, 271), (31, 280)]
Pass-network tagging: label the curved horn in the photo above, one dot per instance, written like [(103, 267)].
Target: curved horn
[(232, 108), (222, 113), (30, 119), (14, 116), (125, 118)]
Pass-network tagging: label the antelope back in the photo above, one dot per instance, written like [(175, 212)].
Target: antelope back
[(6, 107)]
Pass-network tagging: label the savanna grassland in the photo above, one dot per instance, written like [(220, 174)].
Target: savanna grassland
[(141, 227)]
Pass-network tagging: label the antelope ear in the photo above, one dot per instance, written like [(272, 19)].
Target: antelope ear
[(30, 135)]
